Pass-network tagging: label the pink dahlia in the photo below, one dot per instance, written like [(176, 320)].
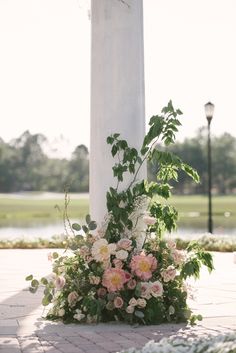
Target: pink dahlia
[(143, 266), (114, 279)]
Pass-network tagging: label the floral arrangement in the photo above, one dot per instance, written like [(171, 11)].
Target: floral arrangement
[(123, 269), (222, 343)]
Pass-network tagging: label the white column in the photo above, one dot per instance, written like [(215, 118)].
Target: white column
[(117, 90)]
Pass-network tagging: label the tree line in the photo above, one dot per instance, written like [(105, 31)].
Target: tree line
[(24, 165)]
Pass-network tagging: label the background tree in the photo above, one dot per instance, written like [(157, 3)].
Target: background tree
[(79, 169)]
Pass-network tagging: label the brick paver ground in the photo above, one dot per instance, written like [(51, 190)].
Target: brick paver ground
[(22, 329)]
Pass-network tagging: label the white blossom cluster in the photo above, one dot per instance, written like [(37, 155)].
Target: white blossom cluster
[(221, 343)]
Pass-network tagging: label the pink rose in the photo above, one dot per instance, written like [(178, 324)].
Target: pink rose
[(178, 256), (171, 244), (72, 298), (145, 290), (60, 282), (149, 221), (125, 244), (101, 292), (169, 274), (118, 302), (131, 284), (156, 289), (118, 263)]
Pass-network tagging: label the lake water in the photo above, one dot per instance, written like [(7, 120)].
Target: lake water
[(48, 230), (57, 229)]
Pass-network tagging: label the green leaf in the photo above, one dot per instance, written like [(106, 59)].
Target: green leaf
[(47, 299), (76, 226), (190, 172), (34, 283), (123, 144), (138, 290), (144, 150), (88, 219), (110, 140), (114, 150), (44, 281), (92, 225), (29, 278), (55, 255), (85, 229)]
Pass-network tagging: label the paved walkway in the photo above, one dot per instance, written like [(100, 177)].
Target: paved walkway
[(22, 330)]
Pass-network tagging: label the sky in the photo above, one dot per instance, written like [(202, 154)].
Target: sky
[(190, 56)]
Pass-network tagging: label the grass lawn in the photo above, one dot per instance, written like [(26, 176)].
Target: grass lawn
[(17, 212), (192, 210)]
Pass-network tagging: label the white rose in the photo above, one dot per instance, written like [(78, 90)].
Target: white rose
[(61, 312), (149, 221), (122, 255), (79, 315), (141, 302), (133, 302), (130, 309)]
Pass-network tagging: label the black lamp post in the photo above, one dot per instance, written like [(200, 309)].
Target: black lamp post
[(209, 110)]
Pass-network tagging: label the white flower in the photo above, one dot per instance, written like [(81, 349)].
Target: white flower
[(79, 315), (221, 343), (94, 280), (122, 254), (130, 309), (132, 302), (141, 302), (101, 250), (139, 230), (122, 204), (61, 312), (149, 221), (171, 310)]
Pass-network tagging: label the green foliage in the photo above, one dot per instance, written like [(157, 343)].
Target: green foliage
[(122, 204), (197, 258)]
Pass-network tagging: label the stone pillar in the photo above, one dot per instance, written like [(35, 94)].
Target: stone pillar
[(117, 90)]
